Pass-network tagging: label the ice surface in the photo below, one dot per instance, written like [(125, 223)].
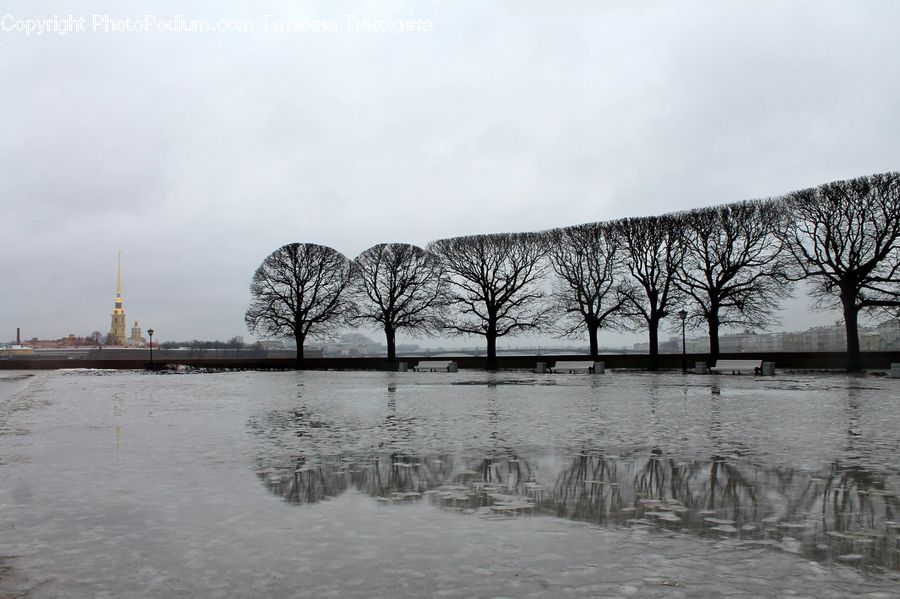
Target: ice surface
[(322, 484)]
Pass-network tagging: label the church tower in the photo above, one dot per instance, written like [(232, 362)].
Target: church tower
[(117, 328)]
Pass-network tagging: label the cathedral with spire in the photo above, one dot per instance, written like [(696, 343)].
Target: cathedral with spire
[(117, 327)]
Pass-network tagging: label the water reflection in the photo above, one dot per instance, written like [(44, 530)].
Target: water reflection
[(845, 514), (475, 452)]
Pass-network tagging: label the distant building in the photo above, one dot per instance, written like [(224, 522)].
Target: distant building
[(271, 344), (697, 345), (11, 351), (136, 340), (70, 340), (737, 343), (352, 345), (770, 342), (824, 338), (869, 340), (889, 335)]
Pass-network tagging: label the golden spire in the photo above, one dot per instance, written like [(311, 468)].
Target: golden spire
[(119, 285)]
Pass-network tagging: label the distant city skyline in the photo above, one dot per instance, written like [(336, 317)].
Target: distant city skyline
[(696, 338), (197, 154)]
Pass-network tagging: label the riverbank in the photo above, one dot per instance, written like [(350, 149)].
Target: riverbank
[(825, 361)]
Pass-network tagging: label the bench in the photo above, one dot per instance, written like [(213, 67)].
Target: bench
[(435, 366), (737, 366), (573, 366)]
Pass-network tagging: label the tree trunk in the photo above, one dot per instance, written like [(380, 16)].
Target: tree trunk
[(592, 336), (653, 363), (851, 322), (713, 479), (300, 339), (391, 336), (713, 321), (491, 335)]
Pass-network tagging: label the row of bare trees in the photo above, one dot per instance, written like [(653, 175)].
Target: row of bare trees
[(729, 265)]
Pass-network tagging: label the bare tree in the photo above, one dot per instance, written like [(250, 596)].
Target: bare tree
[(588, 288), (734, 268), (299, 290), (496, 281), (653, 254), (399, 287), (844, 237), (236, 342)]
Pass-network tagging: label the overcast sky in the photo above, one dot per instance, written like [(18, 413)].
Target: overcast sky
[(197, 154)]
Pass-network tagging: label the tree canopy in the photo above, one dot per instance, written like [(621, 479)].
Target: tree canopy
[(496, 285), (844, 238), (399, 287), (734, 269), (589, 286), (654, 252), (299, 290)]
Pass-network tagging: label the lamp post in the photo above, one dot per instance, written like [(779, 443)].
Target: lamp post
[(150, 332), (683, 316)]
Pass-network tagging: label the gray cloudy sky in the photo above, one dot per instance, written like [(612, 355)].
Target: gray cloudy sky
[(197, 154)]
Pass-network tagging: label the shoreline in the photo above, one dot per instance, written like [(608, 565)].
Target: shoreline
[(806, 361)]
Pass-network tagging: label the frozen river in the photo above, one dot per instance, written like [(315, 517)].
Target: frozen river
[(472, 484)]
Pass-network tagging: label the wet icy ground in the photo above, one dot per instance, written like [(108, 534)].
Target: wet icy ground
[(471, 484)]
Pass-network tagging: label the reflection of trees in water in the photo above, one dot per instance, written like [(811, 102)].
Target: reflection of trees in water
[(857, 508), (708, 485), (846, 510), (614, 491), (850, 492), (850, 499), (504, 472), (723, 488), (395, 431), (509, 471), (301, 478), (587, 490), (397, 476), (306, 484)]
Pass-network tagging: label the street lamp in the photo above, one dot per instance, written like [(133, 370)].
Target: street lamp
[(683, 316), (150, 332)]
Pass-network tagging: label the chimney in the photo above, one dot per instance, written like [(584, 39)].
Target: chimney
[(18, 336)]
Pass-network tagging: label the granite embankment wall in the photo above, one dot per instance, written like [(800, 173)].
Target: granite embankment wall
[(782, 360)]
